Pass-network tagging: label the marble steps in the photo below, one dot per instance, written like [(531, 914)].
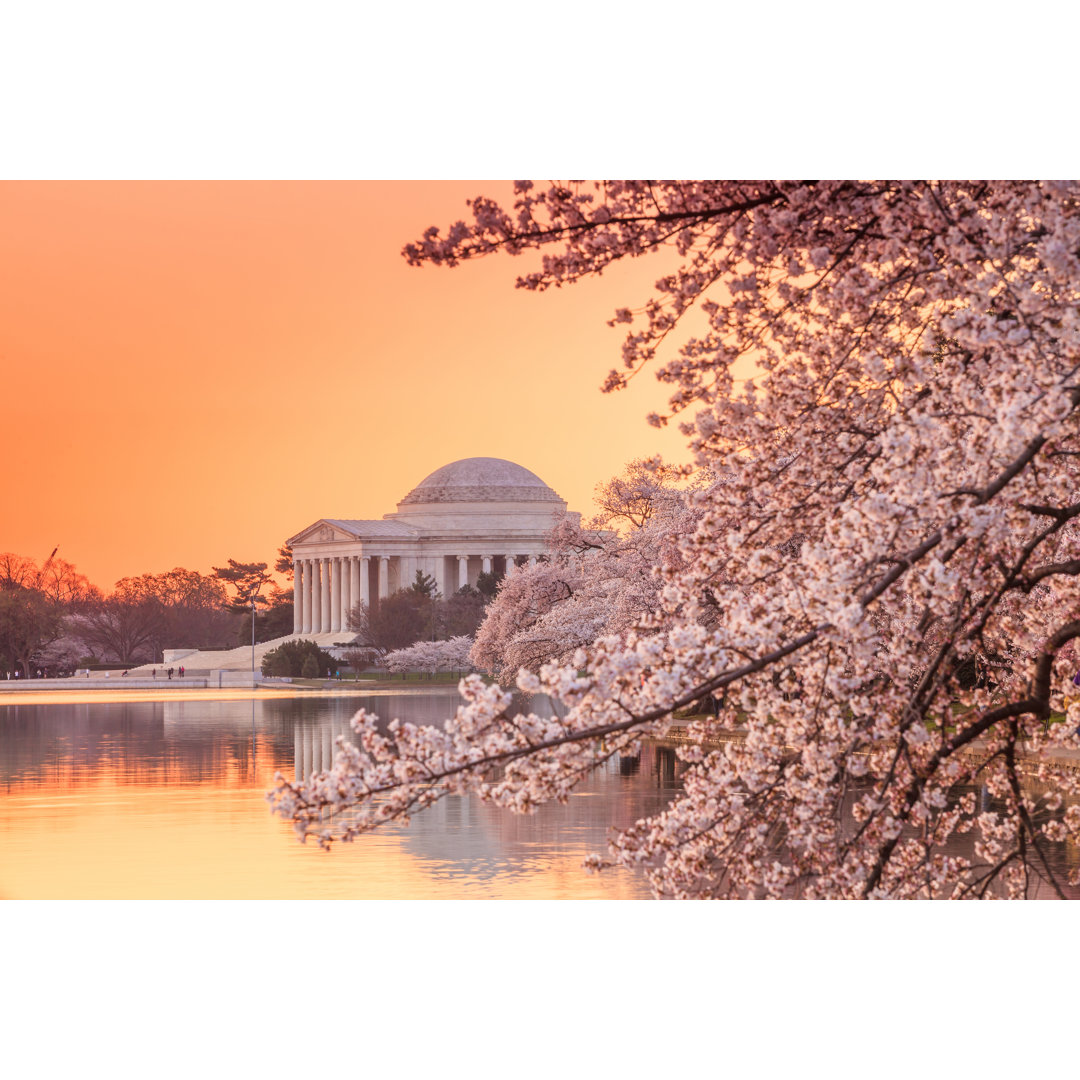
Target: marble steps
[(239, 658)]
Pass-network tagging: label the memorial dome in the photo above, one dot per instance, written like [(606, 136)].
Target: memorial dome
[(481, 479)]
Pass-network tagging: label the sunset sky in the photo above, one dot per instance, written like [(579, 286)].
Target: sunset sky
[(195, 371)]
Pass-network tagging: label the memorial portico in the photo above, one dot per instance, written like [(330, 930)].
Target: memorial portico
[(479, 515)]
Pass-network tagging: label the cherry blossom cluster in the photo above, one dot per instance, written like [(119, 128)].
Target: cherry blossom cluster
[(878, 580), (449, 655), (597, 581)]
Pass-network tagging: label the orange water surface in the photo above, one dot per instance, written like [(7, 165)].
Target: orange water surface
[(125, 799)]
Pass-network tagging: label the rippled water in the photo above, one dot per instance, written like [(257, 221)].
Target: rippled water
[(127, 799)]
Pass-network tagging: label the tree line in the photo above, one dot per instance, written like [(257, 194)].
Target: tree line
[(53, 619)]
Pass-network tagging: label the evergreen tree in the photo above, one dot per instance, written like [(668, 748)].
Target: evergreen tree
[(291, 659)]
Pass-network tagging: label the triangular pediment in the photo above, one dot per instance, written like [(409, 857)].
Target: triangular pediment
[(321, 532)]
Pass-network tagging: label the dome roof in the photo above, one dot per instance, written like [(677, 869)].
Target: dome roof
[(481, 479)]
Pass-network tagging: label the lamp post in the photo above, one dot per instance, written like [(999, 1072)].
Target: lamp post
[(254, 599)]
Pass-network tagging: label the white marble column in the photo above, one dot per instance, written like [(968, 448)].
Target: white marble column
[(354, 583), (343, 566), (511, 562), (315, 566), (384, 576), (532, 560), (485, 563), (335, 594), (344, 561), (438, 572), (310, 586), (365, 581), (324, 603), (297, 595), (462, 571)]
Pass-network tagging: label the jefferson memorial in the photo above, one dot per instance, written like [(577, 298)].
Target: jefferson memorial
[(470, 517)]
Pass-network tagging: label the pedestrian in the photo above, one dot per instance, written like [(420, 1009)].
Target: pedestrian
[(153, 674), (170, 674), (181, 671)]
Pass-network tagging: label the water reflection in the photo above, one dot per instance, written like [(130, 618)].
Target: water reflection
[(120, 799)]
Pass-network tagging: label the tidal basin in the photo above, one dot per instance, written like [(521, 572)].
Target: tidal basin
[(139, 799)]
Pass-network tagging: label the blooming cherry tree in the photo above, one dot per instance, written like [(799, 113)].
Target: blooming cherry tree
[(595, 581), (449, 655), (898, 490)]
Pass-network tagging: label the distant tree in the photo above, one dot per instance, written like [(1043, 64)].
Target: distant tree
[(125, 629), (276, 663), (276, 620), (247, 581), (295, 658), (488, 583), (150, 612), (176, 589), (34, 601), (63, 584), (274, 606), (429, 601), (418, 614), (425, 585), (393, 622), (62, 656), (29, 622), (56, 578), (284, 562), (461, 614), (398, 620), (17, 570)]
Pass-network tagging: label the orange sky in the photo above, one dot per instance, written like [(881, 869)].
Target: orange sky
[(195, 371)]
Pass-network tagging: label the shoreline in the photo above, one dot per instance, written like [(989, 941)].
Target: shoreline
[(198, 691)]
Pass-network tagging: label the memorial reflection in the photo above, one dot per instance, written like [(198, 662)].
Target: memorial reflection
[(466, 837), (225, 754)]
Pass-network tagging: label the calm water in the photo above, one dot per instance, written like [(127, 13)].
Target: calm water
[(135, 800), (165, 799)]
